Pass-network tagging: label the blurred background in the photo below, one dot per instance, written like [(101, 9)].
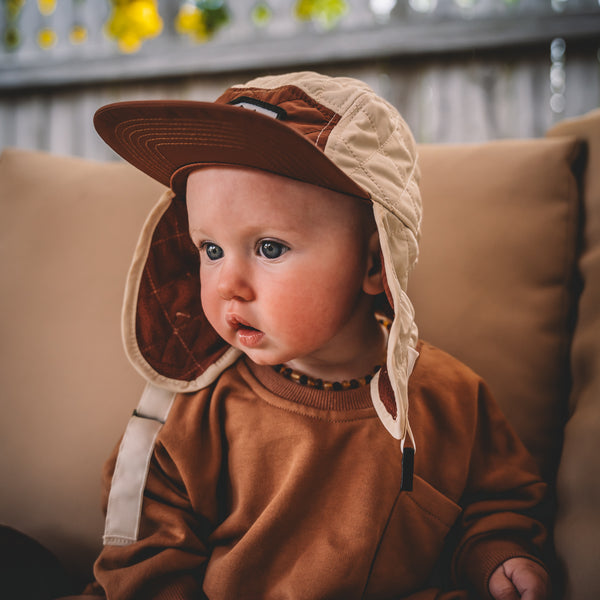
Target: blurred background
[(458, 70)]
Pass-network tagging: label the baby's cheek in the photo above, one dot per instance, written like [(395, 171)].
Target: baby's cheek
[(305, 317), (210, 307)]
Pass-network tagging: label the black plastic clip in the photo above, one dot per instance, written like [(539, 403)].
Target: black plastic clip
[(408, 469)]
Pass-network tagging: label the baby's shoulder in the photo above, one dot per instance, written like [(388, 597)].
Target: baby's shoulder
[(435, 364), (442, 380)]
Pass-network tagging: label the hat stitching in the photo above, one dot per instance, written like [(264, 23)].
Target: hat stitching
[(154, 345), (408, 189), (360, 166), (345, 109), (140, 134), (350, 115), (314, 90), (164, 286), (155, 293), (145, 140), (123, 130), (175, 330), (403, 235), (323, 129), (380, 150), (168, 141), (176, 236)]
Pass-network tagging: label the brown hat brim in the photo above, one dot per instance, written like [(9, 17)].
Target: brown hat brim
[(168, 139)]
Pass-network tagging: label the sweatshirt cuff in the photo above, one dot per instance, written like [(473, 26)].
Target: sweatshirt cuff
[(485, 557)]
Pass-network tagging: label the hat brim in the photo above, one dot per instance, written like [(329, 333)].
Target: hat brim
[(168, 139)]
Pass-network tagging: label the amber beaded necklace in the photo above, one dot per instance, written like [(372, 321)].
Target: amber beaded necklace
[(336, 386), (319, 384)]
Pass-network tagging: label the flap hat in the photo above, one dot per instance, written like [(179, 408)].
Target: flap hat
[(331, 132)]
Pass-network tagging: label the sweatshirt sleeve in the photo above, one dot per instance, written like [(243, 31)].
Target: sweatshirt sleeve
[(168, 560), (503, 503)]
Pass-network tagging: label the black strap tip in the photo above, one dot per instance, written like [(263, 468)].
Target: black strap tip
[(408, 469)]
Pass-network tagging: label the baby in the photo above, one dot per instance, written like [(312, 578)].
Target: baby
[(296, 439)]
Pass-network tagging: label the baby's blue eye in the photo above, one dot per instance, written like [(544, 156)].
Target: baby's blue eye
[(213, 252), (271, 249)]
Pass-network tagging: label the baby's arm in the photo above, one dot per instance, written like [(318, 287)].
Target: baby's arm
[(170, 551), (519, 578), (179, 512), (503, 504)]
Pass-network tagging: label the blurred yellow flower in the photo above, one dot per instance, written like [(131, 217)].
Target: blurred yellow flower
[(12, 38), (78, 34), (202, 19), (133, 21), (46, 38), (261, 14), (326, 13), (46, 7), (190, 21), (13, 7)]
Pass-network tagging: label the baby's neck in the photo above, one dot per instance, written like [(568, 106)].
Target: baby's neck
[(361, 360)]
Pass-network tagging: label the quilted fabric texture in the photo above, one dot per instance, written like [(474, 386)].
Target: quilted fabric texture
[(495, 281), (166, 336)]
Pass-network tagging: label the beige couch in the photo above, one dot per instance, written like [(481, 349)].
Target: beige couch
[(509, 280)]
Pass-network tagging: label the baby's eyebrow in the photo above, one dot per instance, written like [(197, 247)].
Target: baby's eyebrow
[(196, 235)]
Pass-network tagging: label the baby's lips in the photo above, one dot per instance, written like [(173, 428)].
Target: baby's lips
[(236, 322)]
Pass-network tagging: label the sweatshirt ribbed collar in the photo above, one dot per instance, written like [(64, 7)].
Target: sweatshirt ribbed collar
[(279, 385)]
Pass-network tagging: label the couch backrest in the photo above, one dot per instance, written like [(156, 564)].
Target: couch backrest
[(495, 284)]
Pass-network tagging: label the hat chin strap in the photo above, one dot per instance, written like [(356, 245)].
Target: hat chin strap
[(398, 427), (399, 249), (133, 462), (394, 425)]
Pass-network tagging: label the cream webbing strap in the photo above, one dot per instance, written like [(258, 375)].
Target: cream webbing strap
[(133, 461)]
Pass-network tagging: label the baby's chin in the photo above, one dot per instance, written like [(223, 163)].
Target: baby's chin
[(257, 359), (264, 359)]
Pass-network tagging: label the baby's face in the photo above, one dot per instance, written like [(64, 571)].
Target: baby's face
[(282, 263)]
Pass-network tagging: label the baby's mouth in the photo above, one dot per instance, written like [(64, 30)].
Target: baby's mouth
[(239, 324), (247, 336)]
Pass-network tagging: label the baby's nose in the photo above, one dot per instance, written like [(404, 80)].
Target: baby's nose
[(234, 282)]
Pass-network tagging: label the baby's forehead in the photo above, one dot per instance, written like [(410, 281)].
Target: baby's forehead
[(222, 187)]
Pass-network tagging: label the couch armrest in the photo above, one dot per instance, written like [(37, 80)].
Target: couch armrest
[(578, 485), (67, 234)]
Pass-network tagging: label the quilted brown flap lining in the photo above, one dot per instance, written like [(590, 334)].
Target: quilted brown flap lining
[(173, 334)]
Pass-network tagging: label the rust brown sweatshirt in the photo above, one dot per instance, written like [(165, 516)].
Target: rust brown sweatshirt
[(261, 488)]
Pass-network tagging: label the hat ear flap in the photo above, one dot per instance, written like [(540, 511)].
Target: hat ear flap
[(398, 249), (166, 334), (386, 285)]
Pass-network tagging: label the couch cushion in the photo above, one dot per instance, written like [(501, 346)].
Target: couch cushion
[(495, 281), (67, 234), (578, 485)]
